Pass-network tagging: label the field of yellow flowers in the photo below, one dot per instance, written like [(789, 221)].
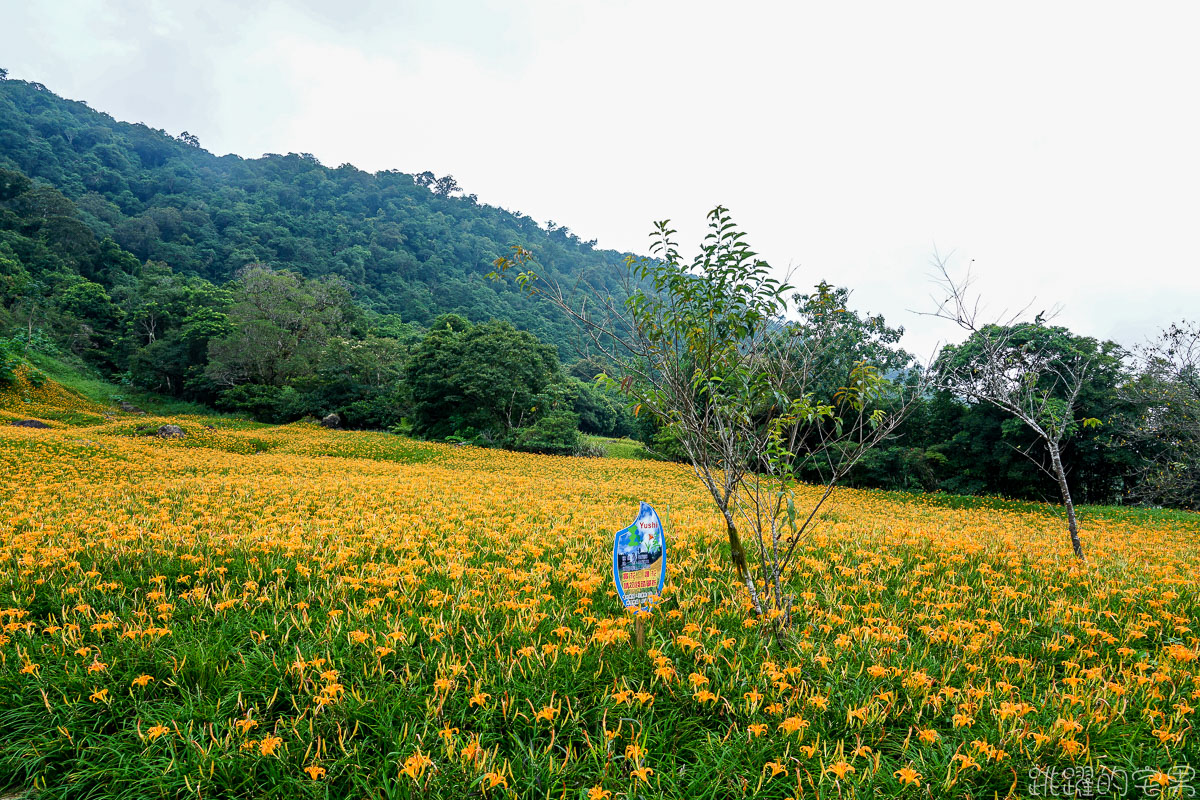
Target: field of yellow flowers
[(257, 611)]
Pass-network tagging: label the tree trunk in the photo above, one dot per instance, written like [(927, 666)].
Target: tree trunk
[(737, 554), (1061, 474)]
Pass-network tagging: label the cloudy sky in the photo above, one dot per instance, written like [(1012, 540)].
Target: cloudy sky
[(1053, 146)]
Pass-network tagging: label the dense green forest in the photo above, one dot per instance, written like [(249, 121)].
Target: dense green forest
[(412, 245), (283, 288)]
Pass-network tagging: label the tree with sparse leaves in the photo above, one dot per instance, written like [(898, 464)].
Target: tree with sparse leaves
[(713, 351), (1030, 370)]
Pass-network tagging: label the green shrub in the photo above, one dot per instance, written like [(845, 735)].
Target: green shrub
[(274, 404), (557, 433)]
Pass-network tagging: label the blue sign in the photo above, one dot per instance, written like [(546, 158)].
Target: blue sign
[(640, 560)]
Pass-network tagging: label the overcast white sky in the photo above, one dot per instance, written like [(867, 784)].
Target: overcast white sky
[(1056, 144)]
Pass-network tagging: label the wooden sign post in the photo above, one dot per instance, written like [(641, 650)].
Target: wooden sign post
[(640, 566)]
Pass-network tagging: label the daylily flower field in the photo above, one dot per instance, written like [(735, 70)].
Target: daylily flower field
[(256, 611)]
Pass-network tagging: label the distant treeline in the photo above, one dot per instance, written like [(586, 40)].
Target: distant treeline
[(283, 289)]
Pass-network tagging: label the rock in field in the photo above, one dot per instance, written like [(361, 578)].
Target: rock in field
[(29, 423), (332, 421), (171, 432)]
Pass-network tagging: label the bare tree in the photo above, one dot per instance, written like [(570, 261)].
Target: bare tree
[(709, 350), (1028, 369)]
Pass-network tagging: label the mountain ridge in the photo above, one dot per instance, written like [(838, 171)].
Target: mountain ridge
[(412, 245)]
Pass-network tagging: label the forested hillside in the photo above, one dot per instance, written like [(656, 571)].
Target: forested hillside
[(415, 246), (281, 288)]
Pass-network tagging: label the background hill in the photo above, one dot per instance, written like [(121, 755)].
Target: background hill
[(414, 246), (282, 288)]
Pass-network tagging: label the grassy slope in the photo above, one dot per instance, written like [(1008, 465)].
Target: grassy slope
[(622, 448), (105, 393)]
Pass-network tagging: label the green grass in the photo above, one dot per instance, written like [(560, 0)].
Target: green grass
[(83, 379), (622, 448), (1085, 513)]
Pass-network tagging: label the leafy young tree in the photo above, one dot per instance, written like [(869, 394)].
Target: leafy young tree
[(1030, 370), (709, 351)]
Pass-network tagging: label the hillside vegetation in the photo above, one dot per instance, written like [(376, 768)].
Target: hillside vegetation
[(409, 245), (287, 611), (235, 297)]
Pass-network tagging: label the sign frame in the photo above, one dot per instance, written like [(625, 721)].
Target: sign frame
[(646, 515)]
